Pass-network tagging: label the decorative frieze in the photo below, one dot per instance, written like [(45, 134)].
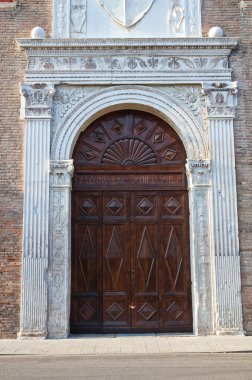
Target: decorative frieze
[(61, 173), (118, 61), (36, 100), (126, 63)]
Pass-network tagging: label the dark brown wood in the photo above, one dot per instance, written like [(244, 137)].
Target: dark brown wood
[(130, 237)]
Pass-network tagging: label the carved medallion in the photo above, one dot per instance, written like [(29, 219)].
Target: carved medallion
[(127, 12)]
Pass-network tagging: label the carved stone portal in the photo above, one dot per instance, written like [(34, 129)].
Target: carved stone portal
[(110, 76)]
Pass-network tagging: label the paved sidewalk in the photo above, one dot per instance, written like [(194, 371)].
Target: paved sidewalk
[(126, 344)]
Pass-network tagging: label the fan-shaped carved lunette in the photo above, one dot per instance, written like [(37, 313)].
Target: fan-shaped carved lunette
[(129, 152)]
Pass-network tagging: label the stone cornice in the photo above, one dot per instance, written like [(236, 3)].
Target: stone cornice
[(132, 44)]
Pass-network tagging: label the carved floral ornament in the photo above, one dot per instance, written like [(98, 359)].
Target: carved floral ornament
[(126, 63), (221, 98), (61, 173), (37, 99)]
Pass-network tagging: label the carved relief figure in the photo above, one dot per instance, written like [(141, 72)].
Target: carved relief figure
[(61, 19), (193, 15), (177, 17), (78, 16)]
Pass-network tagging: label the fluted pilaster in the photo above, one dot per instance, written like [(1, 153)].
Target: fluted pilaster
[(221, 111), (36, 111)]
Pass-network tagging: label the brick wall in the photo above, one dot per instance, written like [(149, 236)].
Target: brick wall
[(18, 23), (237, 22), (13, 23)]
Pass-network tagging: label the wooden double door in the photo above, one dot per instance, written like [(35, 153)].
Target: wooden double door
[(130, 239), (130, 266)]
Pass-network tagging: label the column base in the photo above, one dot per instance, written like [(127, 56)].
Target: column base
[(230, 332), (32, 334)]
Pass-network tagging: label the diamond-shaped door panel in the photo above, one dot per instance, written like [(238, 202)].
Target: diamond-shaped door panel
[(117, 127), (158, 136), (140, 128), (173, 260), (114, 206), (144, 205), (115, 311), (114, 259), (146, 261), (169, 154), (87, 260), (175, 311), (172, 206), (87, 311), (147, 311), (87, 206)]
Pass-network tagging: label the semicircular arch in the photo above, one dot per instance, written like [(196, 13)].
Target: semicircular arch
[(131, 97)]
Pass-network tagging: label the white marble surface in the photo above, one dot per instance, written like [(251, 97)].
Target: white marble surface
[(126, 18)]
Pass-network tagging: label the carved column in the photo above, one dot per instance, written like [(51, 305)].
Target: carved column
[(59, 256), (221, 99), (198, 172), (36, 110)]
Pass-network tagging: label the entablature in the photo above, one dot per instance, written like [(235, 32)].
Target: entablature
[(119, 61)]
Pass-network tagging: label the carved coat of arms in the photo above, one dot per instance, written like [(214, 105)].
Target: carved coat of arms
[(127, 12)]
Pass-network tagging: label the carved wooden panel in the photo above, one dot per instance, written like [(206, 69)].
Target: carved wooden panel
[(130, 261), (86, 263), (131, 267), (128, 138)]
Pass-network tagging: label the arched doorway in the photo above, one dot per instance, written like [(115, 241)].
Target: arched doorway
[(130, 236)]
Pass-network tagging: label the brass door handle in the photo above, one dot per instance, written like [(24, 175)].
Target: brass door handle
[(132, 307)]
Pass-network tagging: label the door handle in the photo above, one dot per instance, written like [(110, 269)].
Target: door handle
[(132, 307)]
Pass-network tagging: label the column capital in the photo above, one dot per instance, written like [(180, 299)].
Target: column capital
[(221, 99), (61, 173), (36, 100), (198, 173)]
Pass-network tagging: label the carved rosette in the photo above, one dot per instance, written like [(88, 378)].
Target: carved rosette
[(221, 99), (199, 173), (36, 101)]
